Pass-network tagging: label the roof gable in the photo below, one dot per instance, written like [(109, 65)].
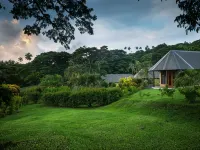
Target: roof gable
[(178, 60)]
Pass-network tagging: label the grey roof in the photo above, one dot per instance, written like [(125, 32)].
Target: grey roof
[(114, 78), (178, 60), (141, 74)]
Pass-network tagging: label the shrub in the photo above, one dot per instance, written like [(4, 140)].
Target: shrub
[(127, 82), (104, 84), (188, 82), (129, 90), (15, 104), (56, 89), (84, 96), (98, 96), (33, 79), (59, 98), (9, 99), (52, 81), (138, 82), (190, 93), (112, 84), (31, 94), (85, 79), (168, 92)]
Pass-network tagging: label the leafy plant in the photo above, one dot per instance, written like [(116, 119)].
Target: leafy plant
[(9, 99), (82, 97), (52, 81), (168, 92), (31, 94), (188, 84)]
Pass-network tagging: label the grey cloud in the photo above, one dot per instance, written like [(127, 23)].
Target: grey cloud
[(8, 32)]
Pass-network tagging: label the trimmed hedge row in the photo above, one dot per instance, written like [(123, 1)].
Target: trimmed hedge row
[(87, 96), (31, 94)]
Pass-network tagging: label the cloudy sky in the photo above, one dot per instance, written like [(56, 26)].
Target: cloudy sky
[(120, 23)]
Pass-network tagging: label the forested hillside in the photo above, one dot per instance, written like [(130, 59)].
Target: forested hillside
[(86, 60)]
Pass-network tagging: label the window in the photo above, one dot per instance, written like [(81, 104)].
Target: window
[(163, 77)]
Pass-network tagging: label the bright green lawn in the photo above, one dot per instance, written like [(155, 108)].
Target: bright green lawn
[(131, 123)]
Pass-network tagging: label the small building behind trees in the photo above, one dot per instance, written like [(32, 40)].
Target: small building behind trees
[(114, 78), (173, 62)]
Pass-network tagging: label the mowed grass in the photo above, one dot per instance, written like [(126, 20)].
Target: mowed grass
[(134, 122)]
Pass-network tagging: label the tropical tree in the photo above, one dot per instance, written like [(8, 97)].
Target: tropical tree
[(138, 66), (147, 48), (28, 56), (20, 59), (56, 15), (132, 67)]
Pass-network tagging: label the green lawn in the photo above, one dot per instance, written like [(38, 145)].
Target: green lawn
[(134, 122)]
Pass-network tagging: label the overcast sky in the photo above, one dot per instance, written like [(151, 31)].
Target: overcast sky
[(120, 23)]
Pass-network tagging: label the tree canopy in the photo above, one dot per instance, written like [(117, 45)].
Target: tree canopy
[(56, 19), (86, 60)]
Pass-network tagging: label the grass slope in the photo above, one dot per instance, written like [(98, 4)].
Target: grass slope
[(134, 122)]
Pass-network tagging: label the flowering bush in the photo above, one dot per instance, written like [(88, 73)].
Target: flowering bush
[(126, 82)]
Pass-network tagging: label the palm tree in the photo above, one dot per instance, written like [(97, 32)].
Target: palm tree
[(20, 59), (137, 66), (132, 67), (28, 56)]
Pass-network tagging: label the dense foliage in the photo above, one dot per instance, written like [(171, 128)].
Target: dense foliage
[(89, 60), (56, 15), (31, 94), (52, 80), (83, 97), (10, 100), (166, 91), (188, 83)]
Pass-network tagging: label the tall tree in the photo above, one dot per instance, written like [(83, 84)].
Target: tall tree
[(20, 59), (132, 67), (57, 15), (28, 56)]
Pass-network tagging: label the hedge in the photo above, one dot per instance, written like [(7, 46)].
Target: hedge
[(31, 94), (86, 96)]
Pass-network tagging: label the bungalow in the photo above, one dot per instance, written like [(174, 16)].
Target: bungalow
[(173, 62), (114, 78)]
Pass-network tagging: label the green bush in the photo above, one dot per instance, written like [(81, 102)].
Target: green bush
[(85, 96), (168, 92), (31, 94), (56, 89), (52, 81), (127, 82), (190, 93), (130, 90), (188, 84), (104, 84), (59, 98), (9, 99), (15, 104)]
